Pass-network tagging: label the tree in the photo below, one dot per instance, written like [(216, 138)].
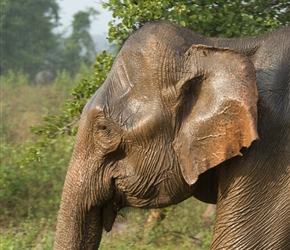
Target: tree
[(29, 42), (223, 18), (79, 46), (26, 34)]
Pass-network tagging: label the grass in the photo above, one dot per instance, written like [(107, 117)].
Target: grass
[(182, 228), (23, 105), (30, 195), (28, 234)]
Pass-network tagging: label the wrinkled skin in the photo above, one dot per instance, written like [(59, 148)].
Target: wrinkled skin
[(181, 115)]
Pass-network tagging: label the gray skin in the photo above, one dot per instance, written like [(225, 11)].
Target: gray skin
[(182, 115)]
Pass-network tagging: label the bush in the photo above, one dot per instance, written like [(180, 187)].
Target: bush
[(32, 189), (15, 78), (30, 193)]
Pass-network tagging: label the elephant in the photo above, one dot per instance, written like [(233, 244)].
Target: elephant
[(44, 77), (183, 115)]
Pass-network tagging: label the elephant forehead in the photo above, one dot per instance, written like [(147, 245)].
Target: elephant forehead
[(127, 106), (138, 113), (133, 110)]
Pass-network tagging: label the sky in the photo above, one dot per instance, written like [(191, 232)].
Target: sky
[(69, 7)]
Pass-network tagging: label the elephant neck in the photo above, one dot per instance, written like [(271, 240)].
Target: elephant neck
[(253, 208)]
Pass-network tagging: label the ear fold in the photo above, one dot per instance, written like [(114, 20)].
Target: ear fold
[(221, 116)]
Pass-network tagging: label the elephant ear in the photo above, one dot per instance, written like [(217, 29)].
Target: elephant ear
[(217, 110)]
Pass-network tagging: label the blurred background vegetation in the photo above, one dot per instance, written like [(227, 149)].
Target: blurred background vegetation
[(39, 118)]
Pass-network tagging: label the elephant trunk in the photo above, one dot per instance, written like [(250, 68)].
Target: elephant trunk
[(79, 223), (86, 197), (74, 233)]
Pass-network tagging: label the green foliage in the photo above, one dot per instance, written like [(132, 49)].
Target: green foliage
[(212, 18), (15, 78), (25, 188), (29, 234), (62, 80), (29, 192)]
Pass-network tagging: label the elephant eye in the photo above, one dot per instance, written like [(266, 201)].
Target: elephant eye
[(101, 127)]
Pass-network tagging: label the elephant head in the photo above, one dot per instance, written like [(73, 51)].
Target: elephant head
[(168, 112)]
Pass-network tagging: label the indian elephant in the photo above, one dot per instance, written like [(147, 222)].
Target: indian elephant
[(183, 115), (44, 77)]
